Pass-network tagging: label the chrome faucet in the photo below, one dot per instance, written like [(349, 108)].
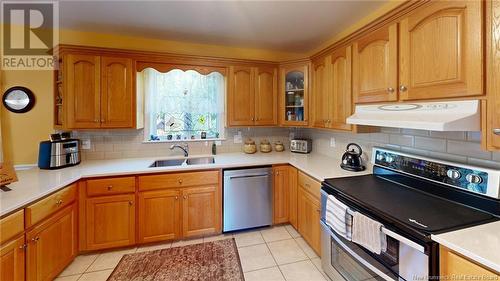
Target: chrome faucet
[(184, 148)]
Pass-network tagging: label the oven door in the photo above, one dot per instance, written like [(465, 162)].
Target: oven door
[(345, 260)]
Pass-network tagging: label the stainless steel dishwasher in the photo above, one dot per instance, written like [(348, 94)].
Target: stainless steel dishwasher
[(247, 198)]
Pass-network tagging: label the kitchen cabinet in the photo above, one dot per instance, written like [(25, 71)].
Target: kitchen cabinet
[(375, 66), (11, 226), (52, 245), (441, 51), (281, 199), (332, 94), (321, 90), (95, 92), (308, 208), (12, 260), (252, 96), (293, 192), (294, 94), (117, 101), (201, 211), (110, 221), (491, 126), (452, 264), (159, 215)]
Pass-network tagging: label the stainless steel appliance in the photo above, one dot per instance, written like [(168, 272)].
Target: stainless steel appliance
[(301, 145), (247, 198), (59, 153), (413, 197)]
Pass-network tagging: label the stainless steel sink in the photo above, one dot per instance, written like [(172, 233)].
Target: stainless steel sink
[(167, 163), (200, 160)]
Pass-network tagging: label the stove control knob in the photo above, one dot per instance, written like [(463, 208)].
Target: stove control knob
[(474, 179), (389, 158), (380, 157), (453, 174)]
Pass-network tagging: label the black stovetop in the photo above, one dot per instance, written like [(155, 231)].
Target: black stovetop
[(417, 204)]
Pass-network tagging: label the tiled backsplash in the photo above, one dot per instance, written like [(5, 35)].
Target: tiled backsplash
[(115, 144), (463, 147)]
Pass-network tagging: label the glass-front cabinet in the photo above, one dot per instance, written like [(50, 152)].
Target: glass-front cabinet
[(294, 92)]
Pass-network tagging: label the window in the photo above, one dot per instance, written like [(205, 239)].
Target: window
[(183, 104)]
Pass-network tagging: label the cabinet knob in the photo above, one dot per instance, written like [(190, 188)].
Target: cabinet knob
[(185, 197), (35, 239), (176, 197), (22, 247), (180, 181), (403, 88), (110, 187), (130, 203), (103, 121), (496, 131), (96, 120), (253, 119), (59, 202), (390, 90)]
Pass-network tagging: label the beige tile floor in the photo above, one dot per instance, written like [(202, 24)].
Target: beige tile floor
[(266, 254)]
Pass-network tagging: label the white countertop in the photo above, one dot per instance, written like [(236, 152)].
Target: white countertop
[(479, 243), (34, 183)]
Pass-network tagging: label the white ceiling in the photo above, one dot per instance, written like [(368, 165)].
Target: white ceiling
[(295, 26)]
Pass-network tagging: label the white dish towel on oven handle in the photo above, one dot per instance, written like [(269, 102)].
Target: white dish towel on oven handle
[(338, 218), (368, 233)]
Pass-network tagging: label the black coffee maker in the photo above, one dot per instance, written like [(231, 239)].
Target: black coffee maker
[(351, 160)]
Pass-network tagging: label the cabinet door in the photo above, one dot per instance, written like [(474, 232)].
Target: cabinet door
[(308, 219), (266, 96), (293, 185), (52, 245), (281, 199), (110, 221), (201, 211), (451, 265), (241, 96), (341, 101), (321, 89), (117, 99), (12, 260), (492, 131), (375, 66), (159, 215), (441, 51), (294, 95), (83, 93)]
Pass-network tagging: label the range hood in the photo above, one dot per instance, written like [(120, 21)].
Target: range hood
[(434, 116)]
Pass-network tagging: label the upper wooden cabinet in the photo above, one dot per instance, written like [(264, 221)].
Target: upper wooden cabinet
[(294, 94), (374, 65), (117, 102), (95, 92), (252, 96), (491, 130), (441, 51), (332, 93)]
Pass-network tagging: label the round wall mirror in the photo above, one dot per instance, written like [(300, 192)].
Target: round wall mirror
[(18, 99)]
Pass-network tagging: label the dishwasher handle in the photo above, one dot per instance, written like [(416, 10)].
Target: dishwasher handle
[(248, 176)]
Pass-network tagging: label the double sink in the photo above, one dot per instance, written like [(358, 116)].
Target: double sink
[(181, 161)]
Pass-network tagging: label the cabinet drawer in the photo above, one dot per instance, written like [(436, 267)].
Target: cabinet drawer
[(309, 184), (110, 186), (11, 226), (49, 205), (177, 180)]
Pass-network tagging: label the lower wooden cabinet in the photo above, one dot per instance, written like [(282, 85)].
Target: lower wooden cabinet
[(52, 245), (110, 221), (292, 194), (201, 211), (308, 207), (12, 263), (281, 198), (452, 265), (159, 215)]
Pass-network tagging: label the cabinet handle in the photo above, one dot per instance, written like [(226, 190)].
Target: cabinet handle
[(176, 197), (22, 247), (103, 121), (185, 197), (253, 119), (35, 239), (496, 131), (390, 90), (403, 88), (130, 203), (96, 120), (180, 181), (59, 202), (318, 210), (110, 187)]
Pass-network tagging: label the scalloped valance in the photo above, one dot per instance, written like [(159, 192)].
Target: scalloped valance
[(166, 67)]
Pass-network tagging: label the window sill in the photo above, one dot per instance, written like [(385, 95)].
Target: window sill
[(189, 140)]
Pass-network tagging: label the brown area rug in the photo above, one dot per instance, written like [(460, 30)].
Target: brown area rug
[(217, 260)]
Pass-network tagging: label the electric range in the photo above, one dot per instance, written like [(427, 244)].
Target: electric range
[(413, 197)]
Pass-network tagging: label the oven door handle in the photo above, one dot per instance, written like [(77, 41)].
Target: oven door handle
[(356, 256)]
